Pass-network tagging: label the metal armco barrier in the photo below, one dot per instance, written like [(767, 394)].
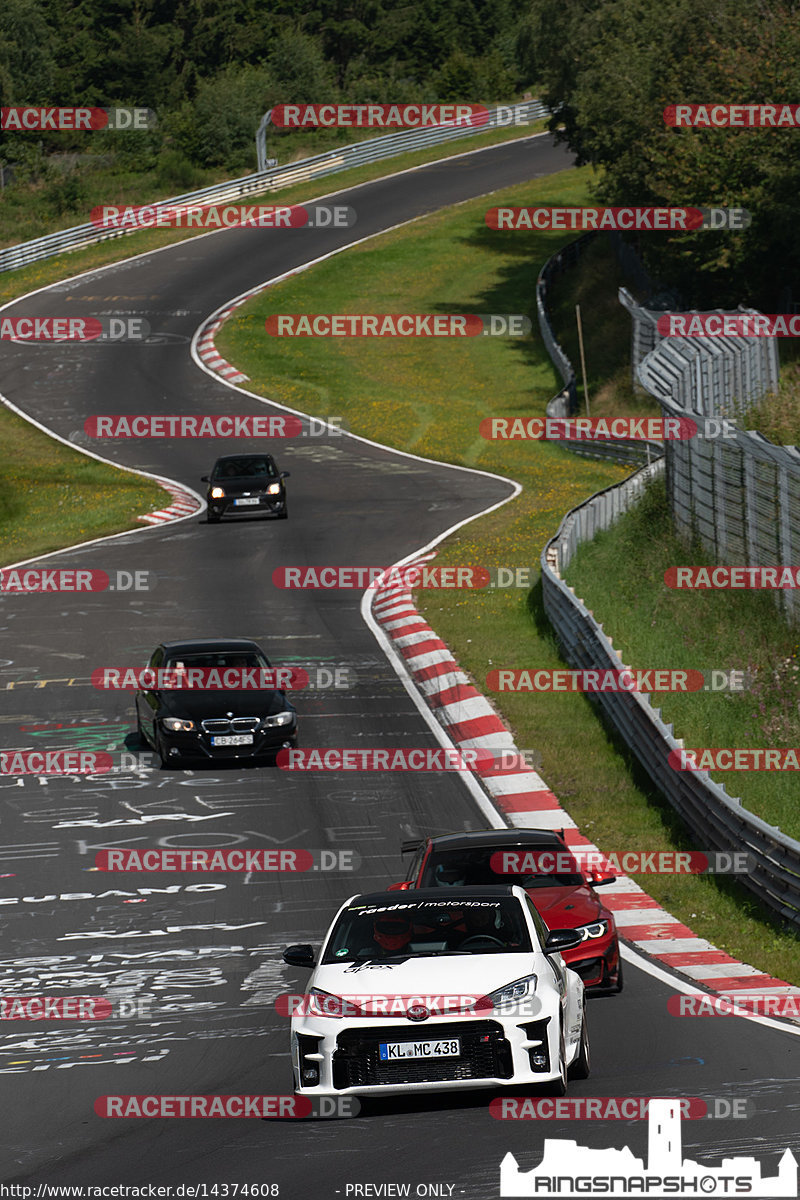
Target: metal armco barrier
[(565, 404), (332, 161), (718, 820)]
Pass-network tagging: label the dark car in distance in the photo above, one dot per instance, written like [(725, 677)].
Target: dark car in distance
[(245, 483), (213, 724), (565, 900)]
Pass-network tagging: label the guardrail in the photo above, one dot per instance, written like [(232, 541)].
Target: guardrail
[(316, 167), (718, 820), (565, 404)]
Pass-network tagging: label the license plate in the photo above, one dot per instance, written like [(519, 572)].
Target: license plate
[(247, 500), (233, 739), (390, 1051)]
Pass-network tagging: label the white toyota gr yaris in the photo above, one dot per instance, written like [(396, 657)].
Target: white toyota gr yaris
[(420, 992)]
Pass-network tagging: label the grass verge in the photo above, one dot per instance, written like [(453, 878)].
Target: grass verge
[(428, 397), (52, 497)]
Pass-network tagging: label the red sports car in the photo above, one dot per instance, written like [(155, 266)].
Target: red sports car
[(566, 900)]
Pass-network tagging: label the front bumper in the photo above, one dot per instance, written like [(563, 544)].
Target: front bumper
[(228, 507), (596, 961), (197, 744), (495, 1052)]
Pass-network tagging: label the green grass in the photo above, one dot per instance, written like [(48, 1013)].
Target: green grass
[(428, 397), (620, 574), (52, 497)]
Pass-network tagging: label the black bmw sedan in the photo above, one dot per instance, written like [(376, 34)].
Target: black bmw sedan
[(208, 718), (245, 483)]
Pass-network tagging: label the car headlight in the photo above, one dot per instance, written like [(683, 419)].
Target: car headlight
[(513, 992), (281, 718), (596, 930), (325, 1004), (217, 493), (274, 489), (178, 725)]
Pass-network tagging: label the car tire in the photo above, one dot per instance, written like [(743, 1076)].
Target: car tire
[(212, 518), (283, 516), (581, 1067), (140, 731), (558, 1087), (618, 986), (165, 764)]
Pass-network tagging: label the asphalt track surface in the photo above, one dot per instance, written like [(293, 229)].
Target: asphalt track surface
[(208, 961)]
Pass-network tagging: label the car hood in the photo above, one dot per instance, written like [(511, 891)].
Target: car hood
[(217, 703), (567, 907), (450, 975), (245, 483)]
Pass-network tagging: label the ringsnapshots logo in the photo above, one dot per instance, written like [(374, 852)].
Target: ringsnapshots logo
[(378, 116), (46, 330), (155, 425), (219, 216), (436, 325), (38, 120), (594, 429), (732, 116), (569, 1170), (261, 1107), (717, 324), (674, 220), (223, 859), (36, 580)]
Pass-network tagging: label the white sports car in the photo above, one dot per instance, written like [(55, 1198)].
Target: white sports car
[(429, 993)]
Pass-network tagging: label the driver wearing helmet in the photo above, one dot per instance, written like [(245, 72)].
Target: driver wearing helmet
[(392, 933), (445, 876)]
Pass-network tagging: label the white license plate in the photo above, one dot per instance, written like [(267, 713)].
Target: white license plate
[(233, 739), (390, 1051), (247, 500)]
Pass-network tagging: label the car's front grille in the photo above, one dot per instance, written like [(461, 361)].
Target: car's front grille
[(485, 1054), (226, 725)]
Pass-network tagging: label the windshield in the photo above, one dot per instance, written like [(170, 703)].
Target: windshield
[(484, 865), (219, 661), (421, 928), (243, 468)]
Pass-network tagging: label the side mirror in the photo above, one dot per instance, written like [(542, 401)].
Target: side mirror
[(562, 939), (399, 887), (284, 474), (204, 479), (300, 956), (597, 879)]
